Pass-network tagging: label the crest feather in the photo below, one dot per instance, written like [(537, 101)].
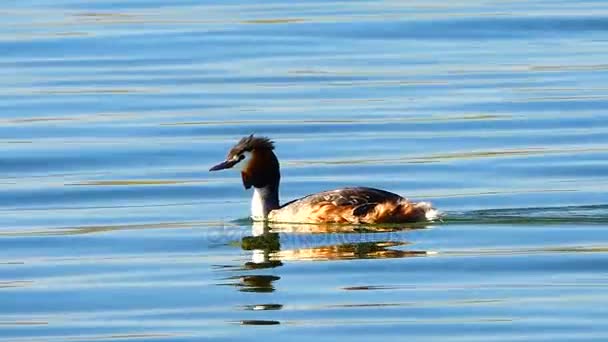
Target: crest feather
[(250, 143)]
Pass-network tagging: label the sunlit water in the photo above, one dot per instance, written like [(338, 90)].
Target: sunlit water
[(111, 227)]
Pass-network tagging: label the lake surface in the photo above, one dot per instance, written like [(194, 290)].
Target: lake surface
[(111, 113)]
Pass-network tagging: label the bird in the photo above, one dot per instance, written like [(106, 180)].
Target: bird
[(260, 170)]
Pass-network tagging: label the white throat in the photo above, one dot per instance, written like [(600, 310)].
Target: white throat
[(259, 203)]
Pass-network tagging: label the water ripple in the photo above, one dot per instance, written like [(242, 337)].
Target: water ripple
[(112, 229)]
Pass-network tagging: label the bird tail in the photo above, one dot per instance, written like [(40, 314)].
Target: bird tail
[(430, 213)]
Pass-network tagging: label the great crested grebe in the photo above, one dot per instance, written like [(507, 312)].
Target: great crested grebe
[(357, 205)]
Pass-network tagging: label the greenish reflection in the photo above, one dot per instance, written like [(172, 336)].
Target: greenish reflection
[(267, 251), (257, 283)]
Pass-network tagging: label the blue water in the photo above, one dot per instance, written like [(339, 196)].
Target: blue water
[(111, 113)]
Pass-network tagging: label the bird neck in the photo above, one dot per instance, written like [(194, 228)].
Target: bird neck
[(265, 199), (263, 174)]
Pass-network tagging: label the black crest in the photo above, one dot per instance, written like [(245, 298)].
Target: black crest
[(250, 143)]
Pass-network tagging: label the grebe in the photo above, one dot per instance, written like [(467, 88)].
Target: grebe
[(357, 205)]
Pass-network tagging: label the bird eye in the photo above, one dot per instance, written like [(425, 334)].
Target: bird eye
[(237, 157)]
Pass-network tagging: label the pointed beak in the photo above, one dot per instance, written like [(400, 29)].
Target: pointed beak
[(224, 165)]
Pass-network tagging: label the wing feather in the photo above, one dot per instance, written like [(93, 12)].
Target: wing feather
[(347, 205)]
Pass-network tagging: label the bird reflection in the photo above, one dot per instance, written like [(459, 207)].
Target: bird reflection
[(266, 248), (257, 283), (272, 244), (316, 243)]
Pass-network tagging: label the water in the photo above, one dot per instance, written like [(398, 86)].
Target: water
[(112, 229)]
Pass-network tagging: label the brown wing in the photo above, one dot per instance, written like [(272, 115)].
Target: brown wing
[(347, 205), (348, 197), (360, 199)]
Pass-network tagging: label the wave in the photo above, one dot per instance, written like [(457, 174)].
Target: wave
[(588, 214)]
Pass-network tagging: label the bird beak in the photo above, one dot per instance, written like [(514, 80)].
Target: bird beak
[(224, 165)]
